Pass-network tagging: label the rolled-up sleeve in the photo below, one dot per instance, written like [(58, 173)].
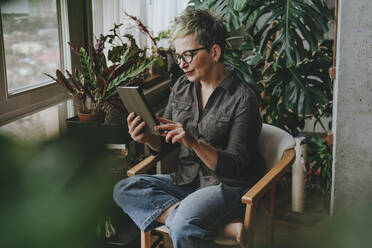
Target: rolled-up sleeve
[(239, 158)]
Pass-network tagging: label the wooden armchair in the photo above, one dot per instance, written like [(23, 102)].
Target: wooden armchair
[(277, 148)]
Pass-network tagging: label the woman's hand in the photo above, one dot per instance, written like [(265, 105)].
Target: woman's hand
[(175, 131), (135, 129)]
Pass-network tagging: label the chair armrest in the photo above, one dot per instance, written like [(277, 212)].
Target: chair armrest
[(264, 184), (150, 161), (144, 165)]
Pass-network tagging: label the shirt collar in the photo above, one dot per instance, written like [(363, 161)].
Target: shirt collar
[(230, 83)]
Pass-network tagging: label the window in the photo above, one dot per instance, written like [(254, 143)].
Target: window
[(36, 127), (155, 14), (33, 38), (31, 44)]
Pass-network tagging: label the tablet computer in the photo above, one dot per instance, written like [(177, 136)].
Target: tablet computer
[(134, 101)]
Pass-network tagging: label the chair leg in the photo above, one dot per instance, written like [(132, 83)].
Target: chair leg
[(250, 214), (145, 239), (272, 215)]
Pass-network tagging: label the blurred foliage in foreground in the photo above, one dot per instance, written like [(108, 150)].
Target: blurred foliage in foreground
[(52, 195)]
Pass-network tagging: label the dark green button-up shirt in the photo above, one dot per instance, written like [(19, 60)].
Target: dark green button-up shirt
[(230, 122)]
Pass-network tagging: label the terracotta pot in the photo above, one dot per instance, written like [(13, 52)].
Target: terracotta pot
[(91, 117)]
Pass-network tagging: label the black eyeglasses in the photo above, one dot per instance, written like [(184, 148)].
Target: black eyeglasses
[(186, 56)]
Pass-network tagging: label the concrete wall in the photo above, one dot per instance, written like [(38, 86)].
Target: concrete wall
[(352, 115)]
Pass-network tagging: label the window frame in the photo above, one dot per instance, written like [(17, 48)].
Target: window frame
[(70, 28)]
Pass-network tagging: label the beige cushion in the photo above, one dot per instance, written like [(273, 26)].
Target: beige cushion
[(273, 142)]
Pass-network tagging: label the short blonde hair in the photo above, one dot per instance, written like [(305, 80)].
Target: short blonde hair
[(207, 28)]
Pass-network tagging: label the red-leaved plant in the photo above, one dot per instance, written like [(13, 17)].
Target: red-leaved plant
[(95, 82)]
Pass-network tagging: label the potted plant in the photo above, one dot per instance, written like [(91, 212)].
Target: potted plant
[(94, 84), (319, 163)]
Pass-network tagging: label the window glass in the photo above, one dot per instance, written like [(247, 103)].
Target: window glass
[(31, 43), (36, 127)]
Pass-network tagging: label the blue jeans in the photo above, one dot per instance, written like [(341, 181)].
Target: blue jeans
[(194, 222)]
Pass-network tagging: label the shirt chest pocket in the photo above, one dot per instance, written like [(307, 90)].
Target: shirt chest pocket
[(181, 111), (219, 130)]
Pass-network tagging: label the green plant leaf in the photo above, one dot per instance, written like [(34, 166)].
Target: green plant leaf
[(319, 155), (134, 71), (295, 19), (234, 58), (86, 67), (240, 5), (158, 61), (127, 54), (224, 8)]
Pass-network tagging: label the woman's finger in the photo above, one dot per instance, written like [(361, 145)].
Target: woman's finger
[(134, 123), (163, 120), (138, 129), (166, 127), (177, 138), (130, 118), (171, 134)]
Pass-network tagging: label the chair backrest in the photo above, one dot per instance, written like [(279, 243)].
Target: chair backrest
[(273, 142)]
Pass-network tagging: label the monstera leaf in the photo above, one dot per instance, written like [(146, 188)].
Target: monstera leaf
[(244, 72), (299, 26), (306, 88), (225, 8)]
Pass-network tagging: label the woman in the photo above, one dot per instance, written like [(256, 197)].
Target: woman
[(215, 119)]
